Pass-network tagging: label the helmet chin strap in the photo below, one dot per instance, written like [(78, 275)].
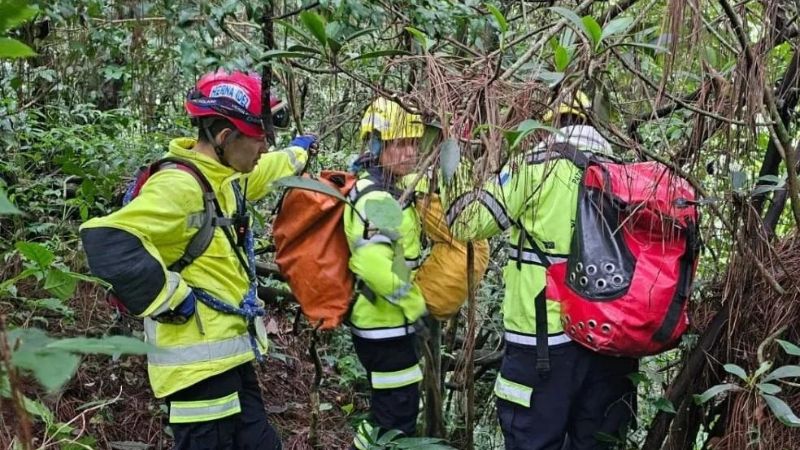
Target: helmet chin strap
[(219, 149)]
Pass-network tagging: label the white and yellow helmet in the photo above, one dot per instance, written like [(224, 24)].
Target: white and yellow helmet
[(391, 121), (576, 106)]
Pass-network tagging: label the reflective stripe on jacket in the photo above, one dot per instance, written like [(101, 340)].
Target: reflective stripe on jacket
[(538, 191), (132, 247), (398, 302)]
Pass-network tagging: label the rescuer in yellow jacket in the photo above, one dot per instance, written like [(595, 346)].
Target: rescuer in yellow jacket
[(384, 317), (574, 393), (200, 310)]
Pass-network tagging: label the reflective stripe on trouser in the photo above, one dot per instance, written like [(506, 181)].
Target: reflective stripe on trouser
[(204, 410), (513, 392), (525, 339), (390, 363), (383, 333), (397, 378), (248, 429), (584, 395)]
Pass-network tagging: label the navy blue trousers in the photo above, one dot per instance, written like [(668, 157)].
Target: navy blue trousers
[(247, 430), (586, 402)]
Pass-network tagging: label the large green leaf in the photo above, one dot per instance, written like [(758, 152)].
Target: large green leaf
[(399, 266), (783, 372), (316, 24), (502, 23), (449, 157), (768, 388), (309, 184), (714, 391), (36, 253), (12, 48), (561, 58), (789, 348), (60, 283), (573, 18), (112, 345), (736, 370), (422, 38), (663, 404), (616, 26), (384, 213), (14, 13), (6, 207), (593, 30), (782, 411)]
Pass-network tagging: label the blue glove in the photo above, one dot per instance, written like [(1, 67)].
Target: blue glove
[(304, 141), (181, 313)]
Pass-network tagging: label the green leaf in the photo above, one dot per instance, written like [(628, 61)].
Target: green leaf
[(738, 180), (733, 369), (378, 54), (616, 26), (384, 213), (111, 345), (762, 369), (524, 129), (60, 283), (502, 23), (275, 54), (6, 207), (561, 58), (663, 404), (316, 24), (789, 348), (52, 304), (421, 37), (14, 13), (782, 411), (449, 157), (52, 368), (593, 30), (399, 266), (36, 253), (308, 184), (714, 391), (570, 15), (12, 48), (783, 372), (768, 388)]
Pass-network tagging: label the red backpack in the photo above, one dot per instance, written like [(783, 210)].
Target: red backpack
[(625, 285)]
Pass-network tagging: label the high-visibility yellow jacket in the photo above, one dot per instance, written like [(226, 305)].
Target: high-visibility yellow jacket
[(536, 194), (397, 301), (132, 248)]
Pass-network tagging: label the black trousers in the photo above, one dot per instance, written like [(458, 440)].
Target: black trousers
[(246, 430), (395, 408), (586, 402)]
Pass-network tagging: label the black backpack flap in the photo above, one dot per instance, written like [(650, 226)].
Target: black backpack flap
[(600, 266)]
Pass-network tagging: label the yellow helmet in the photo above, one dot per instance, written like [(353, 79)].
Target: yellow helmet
[(390, 120), (579, 103)]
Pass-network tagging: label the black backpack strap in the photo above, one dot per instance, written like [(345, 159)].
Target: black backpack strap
[(570, 152), (205, 233), (539, 303)]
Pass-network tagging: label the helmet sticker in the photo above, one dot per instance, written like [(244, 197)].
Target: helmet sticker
[(233, 92)]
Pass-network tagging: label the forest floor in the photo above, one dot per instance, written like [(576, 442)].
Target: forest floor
[(110, 400)]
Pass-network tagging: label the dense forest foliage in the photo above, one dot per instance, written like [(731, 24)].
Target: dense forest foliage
[(90, 90)]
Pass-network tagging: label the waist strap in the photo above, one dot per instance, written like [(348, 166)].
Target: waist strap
[(383, 333)]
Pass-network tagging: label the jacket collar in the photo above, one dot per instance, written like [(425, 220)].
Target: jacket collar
[(215, 172)]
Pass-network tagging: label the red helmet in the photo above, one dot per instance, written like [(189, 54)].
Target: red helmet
[(235, 96)]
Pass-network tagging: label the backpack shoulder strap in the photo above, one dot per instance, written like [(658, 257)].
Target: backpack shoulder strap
[(570, 152), (205, 233)]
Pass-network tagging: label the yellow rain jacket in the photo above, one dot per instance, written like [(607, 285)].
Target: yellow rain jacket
[(132, 248)]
